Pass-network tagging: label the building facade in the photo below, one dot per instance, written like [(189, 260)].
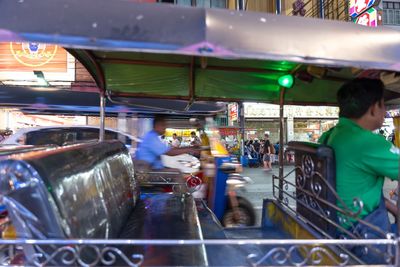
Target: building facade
[(301, 123)]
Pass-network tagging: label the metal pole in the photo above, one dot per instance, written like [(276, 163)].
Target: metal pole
[(278, 7), (241, 121), (321, 9), (281, 141), (239, 4), (102, 116), (398, 200)]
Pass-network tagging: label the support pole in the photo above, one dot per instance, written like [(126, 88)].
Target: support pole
[(102, 116), (396, 123), (281, 141), (321, 9), (241, 125), (278, 7), (239, 4)]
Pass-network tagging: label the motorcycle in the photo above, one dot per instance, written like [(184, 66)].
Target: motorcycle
[(238, 210)]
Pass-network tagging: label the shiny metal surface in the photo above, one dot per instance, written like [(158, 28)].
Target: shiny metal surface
[(277, 252), (89, 188), (127, 26), (159, 216)]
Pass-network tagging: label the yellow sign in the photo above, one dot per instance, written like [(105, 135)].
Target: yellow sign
[(179, 132)]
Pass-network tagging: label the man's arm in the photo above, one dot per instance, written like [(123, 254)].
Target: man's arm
[(382, 157), (174, 151)]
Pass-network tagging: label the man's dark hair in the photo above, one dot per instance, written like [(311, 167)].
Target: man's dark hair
[(192, 133), (355, 97), (158, 119)]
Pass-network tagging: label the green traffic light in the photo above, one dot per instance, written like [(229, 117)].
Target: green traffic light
[(286, 81)]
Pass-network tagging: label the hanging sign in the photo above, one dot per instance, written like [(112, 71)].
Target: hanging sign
[(357, 7), (233, 112), (369, 18)]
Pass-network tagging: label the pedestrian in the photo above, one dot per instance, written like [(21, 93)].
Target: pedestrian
[(175, 141), (267, 154), (276, 147), (195, 140)]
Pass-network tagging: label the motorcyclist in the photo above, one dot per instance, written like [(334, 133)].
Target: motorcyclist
[(151, 148)]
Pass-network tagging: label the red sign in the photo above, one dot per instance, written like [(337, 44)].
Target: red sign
[(225, 131), (233, 112)]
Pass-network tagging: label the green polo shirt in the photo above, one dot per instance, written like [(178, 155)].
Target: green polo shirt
[(363, 160)]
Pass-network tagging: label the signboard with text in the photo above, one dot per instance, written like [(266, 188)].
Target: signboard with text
[(32, 56), (226, 131), (357, 7), (233, 112), (369, 18)]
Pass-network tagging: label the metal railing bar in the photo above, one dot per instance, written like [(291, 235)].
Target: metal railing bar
[(371, 226), (190, 242), (338, 226)]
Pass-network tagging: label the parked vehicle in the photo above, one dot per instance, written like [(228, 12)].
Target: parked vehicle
[(64, 135)]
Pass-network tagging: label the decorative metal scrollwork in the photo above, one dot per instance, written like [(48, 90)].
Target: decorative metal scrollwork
[(308, 165), (291, 256), (75, 256)]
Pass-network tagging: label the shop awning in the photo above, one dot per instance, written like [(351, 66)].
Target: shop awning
[(166, 51)]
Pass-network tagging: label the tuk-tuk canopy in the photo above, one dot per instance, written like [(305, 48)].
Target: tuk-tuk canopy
[(167, 51), (43, 100)]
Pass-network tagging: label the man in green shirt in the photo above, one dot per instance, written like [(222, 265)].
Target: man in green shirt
[(363, 159)]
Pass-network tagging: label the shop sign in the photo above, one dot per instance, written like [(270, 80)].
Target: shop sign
[(357, 7), (226, 131), (179, 132), (258, 110), (233, 112), (369, 18), (32, 56)]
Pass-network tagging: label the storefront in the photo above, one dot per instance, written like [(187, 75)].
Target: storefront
[(183, 135), (301, 123)]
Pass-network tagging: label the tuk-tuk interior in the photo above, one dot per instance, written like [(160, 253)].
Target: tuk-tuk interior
[(81, 204)]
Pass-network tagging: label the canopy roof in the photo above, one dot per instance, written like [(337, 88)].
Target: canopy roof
[(166, 51), (45, 100)]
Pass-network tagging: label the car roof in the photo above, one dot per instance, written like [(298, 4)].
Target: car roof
[(14, 137)]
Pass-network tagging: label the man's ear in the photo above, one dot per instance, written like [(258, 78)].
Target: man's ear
[(373, 108)]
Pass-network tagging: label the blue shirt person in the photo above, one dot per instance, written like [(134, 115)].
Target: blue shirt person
[(151, 148)]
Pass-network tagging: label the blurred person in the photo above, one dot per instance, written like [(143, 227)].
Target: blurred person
[(175, 141), (151, 148), (164, 140), (276, 147), (267, 154), (195, 140)]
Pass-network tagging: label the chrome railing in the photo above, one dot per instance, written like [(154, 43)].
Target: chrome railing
[(107, 252)]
